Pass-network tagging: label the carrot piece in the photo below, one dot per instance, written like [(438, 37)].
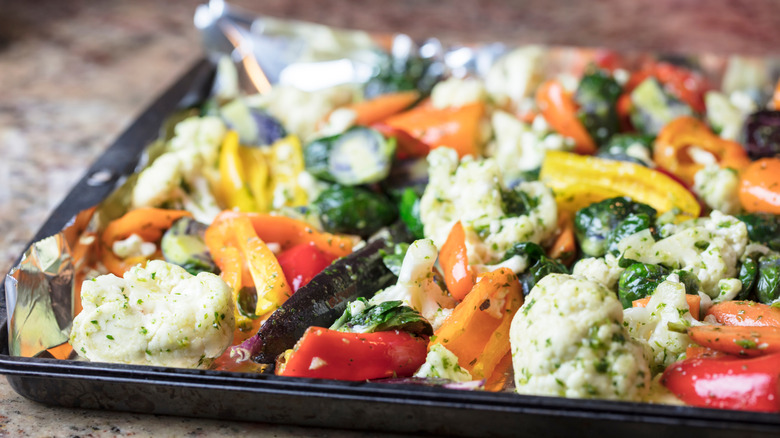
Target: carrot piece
[(759, 189), (473, 332), (383, 106), (564, 248), (456, 128), (743, 341), (454, 261), (694, 304), (776, 96), (745, 313), (560, 110)]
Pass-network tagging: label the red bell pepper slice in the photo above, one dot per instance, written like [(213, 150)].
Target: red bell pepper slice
[(302, 262), (727, 382), (329, 354)]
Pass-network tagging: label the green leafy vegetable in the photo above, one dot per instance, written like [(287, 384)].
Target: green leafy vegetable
[(389, 315)]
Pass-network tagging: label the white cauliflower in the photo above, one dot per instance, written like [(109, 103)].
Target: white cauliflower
[(515, 76), (301, 111), (519, 146), (650, 326), (604, 270), (568, 340), (133, 246), (455, 92), (416, 285), (709, 248), (191, 154), (158, 315), (442, 363), (719, 188), (472, 192)]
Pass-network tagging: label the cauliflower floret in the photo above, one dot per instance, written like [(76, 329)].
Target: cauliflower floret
[(455, 92), (515, 76), (568, 340), (416, 285), (719, 188), (471, 191), (158, 315), (192, 154), (604, 270), (133, 246), (300, 111), (521, 146), (709, 248), (442, 363), (649, 326)]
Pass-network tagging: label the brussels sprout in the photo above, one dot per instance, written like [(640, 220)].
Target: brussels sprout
[(768, 285), (597, 97), (254, 126), (539, 264), (638, 281), (594, 223), (353, 210), (633, 223), (763, 228), (748, 274), (654, 108), (358, 156), (633, 148), (385, 316), (183, 244), (761, 134)]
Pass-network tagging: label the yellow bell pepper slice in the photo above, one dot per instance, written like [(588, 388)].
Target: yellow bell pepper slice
[(579, 180), (233, 188), (286, 164), (257, 172)]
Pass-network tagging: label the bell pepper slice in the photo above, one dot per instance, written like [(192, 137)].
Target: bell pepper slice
[(671, 149), (759, 189), (457, 128), (148, 223), (688, 86), (477, 331), (302, 262), (694, 304), (381, 107), (257, 174), (578, 181), (329, 354), (285, 158), (454, 261), (233, 187), (559, 109), (564, 247), (727, 382)]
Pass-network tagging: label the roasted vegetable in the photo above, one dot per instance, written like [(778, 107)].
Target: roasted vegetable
[(633, 148), (302, 262), (654, 107), (763, 228), (360, 274), (595, 224), (761, 134), (409, 211), (255, 127), (404, 71), (633, 223), (639, 281), (597, 97), (768, 285), (353, 210), (539, 265), (393, 261), (183, 244), (517, 202), (362, 317), (358, 156), (748, 274), (759, 186)]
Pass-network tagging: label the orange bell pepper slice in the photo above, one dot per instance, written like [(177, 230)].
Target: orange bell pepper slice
[(148, 223), (457, 128), (560, 110), (473, 332), (454, 261), (672, 145), (383, 106), (759, 189)]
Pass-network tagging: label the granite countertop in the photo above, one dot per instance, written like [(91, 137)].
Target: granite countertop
[(74, 74)]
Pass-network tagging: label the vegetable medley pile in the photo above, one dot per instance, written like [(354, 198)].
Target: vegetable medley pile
[(610, 232)]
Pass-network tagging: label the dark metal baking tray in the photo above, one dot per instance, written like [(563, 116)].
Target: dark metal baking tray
[(313, 402)]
